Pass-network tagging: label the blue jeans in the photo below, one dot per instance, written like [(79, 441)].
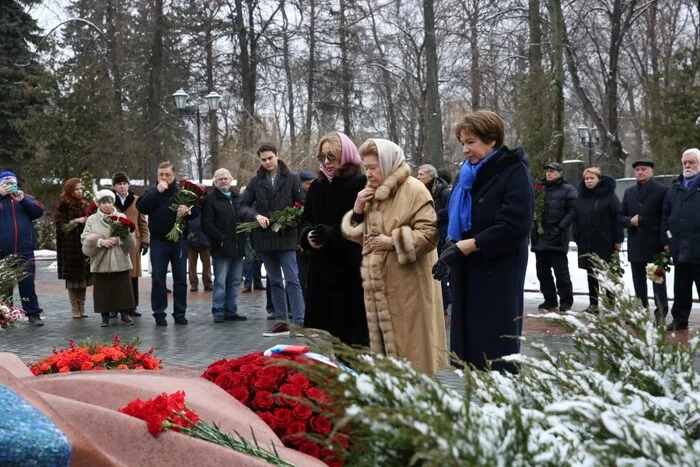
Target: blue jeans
[(27, 291), (277, 262), (227, 279), (162, 253)]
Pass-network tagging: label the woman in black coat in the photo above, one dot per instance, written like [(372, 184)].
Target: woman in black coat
[(490, 214), (595, 228), (334, 294)]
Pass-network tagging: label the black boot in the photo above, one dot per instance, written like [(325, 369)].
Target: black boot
[(105, 320)]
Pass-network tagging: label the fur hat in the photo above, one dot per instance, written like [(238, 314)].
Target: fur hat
[(102, 194), (119, 177)]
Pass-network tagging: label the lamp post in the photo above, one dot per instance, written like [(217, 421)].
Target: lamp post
[(212, 99), (586, 137)]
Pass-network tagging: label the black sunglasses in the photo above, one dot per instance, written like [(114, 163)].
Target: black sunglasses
[(330, 156)]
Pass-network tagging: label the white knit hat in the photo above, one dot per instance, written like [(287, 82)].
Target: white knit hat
[(100, 195)]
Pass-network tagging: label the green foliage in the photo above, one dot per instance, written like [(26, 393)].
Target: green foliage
[(624, 396), (674, 109), (45, 233)]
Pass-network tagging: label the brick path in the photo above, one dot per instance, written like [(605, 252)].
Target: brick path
[(193, 347)]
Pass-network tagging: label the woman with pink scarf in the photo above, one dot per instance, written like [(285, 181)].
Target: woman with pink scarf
[(334, 294)]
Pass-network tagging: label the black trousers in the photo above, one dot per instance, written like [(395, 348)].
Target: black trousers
[(135, 290), (684, 276), (557, 261), (639, 277)]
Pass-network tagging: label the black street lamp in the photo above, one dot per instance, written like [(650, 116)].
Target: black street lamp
[(586, 137), (212, 99)]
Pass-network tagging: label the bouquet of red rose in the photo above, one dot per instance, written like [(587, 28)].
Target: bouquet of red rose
[(539, 207), (119, 226), (282, 397), (169, 412), (70, 226), (94, 356), (188, 195), (287, 217)]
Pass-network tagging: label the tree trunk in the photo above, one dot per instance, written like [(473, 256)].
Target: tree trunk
[(388, 80), (213, 118), (115, 65), (155, 155), (476, 74), (246, 68), (434, 123), (311, 75), (346, 77), (557, 87), (290, 83)]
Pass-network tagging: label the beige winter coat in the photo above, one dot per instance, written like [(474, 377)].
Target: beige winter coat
[(402, 300), (141, 234), (102, 260)]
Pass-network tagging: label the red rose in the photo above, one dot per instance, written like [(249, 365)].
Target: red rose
[(263, 400), (250, 368), (310, 448), (332, 461), (240, 393), (299, 380), (298, 205), (316, 395), (264, 383), (283, 416), (289, 394), (224, 381), (295, 432), (240, 379), (340, 441), (320, 424), (268, 418), (659, 272), (302, 412)]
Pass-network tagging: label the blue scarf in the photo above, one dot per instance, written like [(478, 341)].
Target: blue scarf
[(460, 209), (689, 183)]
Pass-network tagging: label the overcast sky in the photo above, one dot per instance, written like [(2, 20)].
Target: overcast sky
[(49, 13)]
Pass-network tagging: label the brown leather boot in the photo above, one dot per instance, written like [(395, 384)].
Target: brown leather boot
[(81, 302)]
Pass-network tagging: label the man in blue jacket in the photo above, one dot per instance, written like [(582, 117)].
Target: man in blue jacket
[(155, 203), (680, 234), (640, 214), (18, 237)]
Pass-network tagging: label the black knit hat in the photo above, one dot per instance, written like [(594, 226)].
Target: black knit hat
[(119, 177)]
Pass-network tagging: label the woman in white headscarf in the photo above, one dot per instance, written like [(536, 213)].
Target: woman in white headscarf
[(394, 220)]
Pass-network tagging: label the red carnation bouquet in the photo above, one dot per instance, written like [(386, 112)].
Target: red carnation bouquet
[(188, 195), (283, 398), (169, 412), (539, 207), (279, 220), (119, 226), (94, 356)]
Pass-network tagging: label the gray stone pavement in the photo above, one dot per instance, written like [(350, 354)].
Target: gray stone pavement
[(201, 342)]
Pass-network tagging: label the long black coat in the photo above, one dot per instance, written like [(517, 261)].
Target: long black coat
[(441, 197), (334, 294), (681, 216), (487, 286), (219, 222), (557, 217), (595, 225), (260, 197), (646, 201)]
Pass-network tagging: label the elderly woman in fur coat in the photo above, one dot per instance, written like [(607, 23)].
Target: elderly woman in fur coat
[(333, 258), (109, 261), (395, 222)]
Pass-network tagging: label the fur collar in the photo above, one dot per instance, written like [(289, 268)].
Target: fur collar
[(344, 171), (392, 182), (127, 201)]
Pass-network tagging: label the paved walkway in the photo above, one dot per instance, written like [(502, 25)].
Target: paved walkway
[(202, 342)]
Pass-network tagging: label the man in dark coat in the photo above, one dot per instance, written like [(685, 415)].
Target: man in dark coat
[(198, 249), (440, 190), (272, 189), (155, 203), (680, 234), (640, 213), (18, 237), (219, 222), (552, 246)]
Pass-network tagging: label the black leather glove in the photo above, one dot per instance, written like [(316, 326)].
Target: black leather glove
[(321, 234), (144, 248), (449, 256)]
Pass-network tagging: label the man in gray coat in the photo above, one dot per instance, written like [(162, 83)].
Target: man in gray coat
[(272, 189)]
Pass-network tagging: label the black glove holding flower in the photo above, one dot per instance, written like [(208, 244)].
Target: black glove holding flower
[(321, 234), (449, 256)]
